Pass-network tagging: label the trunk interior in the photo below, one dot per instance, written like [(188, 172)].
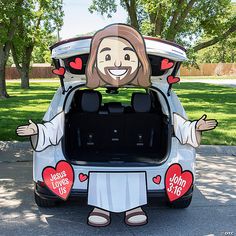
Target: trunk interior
[(124, 128)]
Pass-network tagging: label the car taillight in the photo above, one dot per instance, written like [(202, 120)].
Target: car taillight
[(41, 184)]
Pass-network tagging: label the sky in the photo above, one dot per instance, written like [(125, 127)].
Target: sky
[(78, 20)]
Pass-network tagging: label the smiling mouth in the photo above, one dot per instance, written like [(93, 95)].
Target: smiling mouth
[(118, 72)]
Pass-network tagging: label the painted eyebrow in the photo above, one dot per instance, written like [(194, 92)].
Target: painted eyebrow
[(128, 48), (105, 49)]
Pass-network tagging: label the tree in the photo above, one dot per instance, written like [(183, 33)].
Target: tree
[(9, 16), (39, 19), (41, 52), (223, 51), (182, 21)]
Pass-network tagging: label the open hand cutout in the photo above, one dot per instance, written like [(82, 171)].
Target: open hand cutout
[(27, 130), (203, 124)]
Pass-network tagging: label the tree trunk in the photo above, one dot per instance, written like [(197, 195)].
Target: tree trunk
[(232, 57), (132, 11), (156, 21), (26, 67), (24, 78), (223, 53), (3, 61), (5, 49), (3, 89)]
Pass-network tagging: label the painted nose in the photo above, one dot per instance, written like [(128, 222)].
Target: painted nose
[(116, 64)]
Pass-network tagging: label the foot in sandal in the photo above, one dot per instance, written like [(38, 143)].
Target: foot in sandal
[(136, 217), (99, 218)]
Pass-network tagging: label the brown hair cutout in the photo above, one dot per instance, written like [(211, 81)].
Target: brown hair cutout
[(128, 33)]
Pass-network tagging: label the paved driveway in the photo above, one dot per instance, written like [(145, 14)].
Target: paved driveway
[(212, 212)]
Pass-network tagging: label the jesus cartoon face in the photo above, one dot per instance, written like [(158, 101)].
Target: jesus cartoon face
[(118, 57), (117, 61)]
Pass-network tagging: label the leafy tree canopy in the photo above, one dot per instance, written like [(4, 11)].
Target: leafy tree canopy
[(39, 19), (223, 51), (183, 21)]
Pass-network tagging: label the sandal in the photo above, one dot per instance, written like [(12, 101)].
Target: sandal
[(135, 221), (97, 219)]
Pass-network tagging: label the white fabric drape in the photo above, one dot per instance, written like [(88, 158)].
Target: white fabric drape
[(117, 192)]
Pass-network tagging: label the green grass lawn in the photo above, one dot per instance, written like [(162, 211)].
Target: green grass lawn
[(222, 77), (23, 105), (216, 101)]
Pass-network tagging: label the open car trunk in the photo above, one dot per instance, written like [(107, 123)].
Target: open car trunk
[(132, 130)]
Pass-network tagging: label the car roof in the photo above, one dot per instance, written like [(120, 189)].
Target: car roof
[(154, 46)]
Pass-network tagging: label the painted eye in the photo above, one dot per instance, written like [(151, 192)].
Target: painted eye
[(127, 57), (108, 57)]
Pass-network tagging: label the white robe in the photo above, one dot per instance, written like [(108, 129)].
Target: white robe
[(112, 191), (117, 191), (49, 133)]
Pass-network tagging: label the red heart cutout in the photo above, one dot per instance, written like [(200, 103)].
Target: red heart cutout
[(172, 80), (77, 64), (60, 179), (82, 177), (156, 179), (177, 182), (59, 71), (166, 64)]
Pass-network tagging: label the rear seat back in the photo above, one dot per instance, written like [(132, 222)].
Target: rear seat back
[(115, 108), (114, 126), (141, 102), (114, 130), (142, 127), (84, 127), (91, 101), (88, 133)]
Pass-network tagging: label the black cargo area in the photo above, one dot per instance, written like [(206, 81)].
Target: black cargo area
[(111, 132)]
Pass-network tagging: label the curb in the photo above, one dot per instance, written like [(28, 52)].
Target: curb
[(216, 150)]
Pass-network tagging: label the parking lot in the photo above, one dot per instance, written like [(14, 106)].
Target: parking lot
[(212, 212)]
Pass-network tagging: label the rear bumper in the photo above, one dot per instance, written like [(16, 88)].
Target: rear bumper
[(44, 193)]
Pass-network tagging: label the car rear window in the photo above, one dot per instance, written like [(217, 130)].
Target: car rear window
[(124, 95)]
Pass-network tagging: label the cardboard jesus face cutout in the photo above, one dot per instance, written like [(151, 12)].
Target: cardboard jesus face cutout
[(117, 61), (118, 57)]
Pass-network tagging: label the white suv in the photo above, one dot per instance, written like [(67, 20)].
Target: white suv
[(115, 130)]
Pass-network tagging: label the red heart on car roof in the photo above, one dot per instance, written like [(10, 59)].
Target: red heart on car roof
[(166, 64), (172, 80), (77, 64), (59, 71)]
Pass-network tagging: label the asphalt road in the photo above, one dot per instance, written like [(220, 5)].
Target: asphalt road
[(212, 212)]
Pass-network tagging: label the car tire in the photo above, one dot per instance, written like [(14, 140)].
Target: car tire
[(180, 203), (41, 202)]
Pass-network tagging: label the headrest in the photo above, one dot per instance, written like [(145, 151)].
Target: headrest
[(90, 101), (76, 103), (115, 107), (141, 102)]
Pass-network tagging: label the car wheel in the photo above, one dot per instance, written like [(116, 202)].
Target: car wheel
[(180, 203), (41, 202)]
